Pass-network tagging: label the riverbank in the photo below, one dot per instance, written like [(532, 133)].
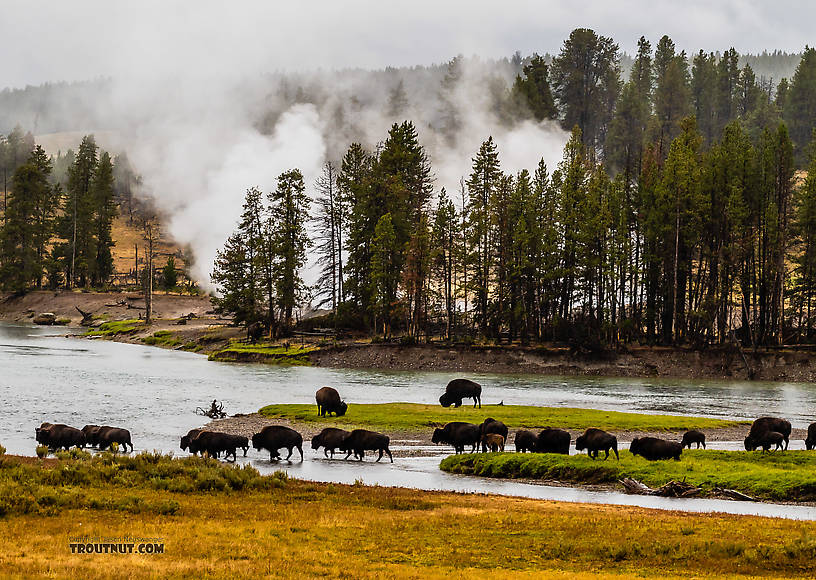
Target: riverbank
[(189, 323), (231, 522)]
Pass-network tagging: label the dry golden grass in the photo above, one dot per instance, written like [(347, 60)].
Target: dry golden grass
[(306, 530)]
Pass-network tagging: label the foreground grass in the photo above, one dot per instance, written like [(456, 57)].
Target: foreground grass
[(776, 476), (278, 527), (260, 352), (411, 416)]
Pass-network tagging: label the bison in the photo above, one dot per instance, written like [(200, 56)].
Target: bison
[(654, 449), (693, 436), (553, 441), (764, 425), (459, 389), (458, 434), (810, 442), (57, 436), (328, 401), (187, 439), (765, 440), (359, 441), (490, 425), (595, 440), (91, 434), (525, 441), (492, 441), (330, 439), (214, 444), (274, 437), (106, 436)]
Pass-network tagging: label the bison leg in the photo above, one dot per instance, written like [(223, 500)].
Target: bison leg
[(389, 454), (361, 453), (348, 454), (290, 453), (300, 450), (380, 457)]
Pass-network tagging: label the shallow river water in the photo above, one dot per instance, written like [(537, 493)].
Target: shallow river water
[(154, 393)]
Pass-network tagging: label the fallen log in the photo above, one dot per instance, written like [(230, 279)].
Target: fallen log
[(670, 489), (734, 494), (635, 487)]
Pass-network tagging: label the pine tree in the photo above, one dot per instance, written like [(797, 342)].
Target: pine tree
[(76, 225), (105, 211), (671, 97), (384, 279), (533, 91), (799, 109), (445, 250)]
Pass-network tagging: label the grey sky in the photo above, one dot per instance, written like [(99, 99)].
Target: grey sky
[(53, 41)]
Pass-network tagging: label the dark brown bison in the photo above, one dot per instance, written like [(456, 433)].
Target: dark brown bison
[(655, 449), (459, 435), (525, 441), (492, 441), (328, 401), (810, 442), (213, 444), (275, 437), (57, 436), (490, 425), (91, 434), (106, 436), (553, 441), (766, 440), (187, 439), (329, 439), (595, 440), (763, 425), (360, 440), (459, 389), (693, 436)]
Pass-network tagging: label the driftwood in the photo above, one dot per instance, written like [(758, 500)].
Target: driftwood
[(670, 489), (216, 411), (87, 317), (734, 494)]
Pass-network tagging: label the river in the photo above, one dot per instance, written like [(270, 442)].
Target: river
[(154, 392)]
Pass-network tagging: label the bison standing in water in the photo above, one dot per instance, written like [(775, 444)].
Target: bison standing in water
[(214, 444), (274, 437), (595, 440), (654, 449), (459, 389), (330, 439), (492, 441), (693, 436), (186, 440), (764, 425), (553, 441), (328, 402), (106, 436), (459, 435), (360, 440), (525, 441), (56, 436)]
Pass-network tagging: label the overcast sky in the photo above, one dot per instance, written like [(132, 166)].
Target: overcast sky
[(54, 41)]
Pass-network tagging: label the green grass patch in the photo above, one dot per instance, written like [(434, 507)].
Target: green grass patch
[(164, 338), (775, 476), (408, 416), (117, 327), (262, 352)]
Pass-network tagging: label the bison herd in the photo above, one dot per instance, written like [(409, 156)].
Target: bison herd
[(490, 435)]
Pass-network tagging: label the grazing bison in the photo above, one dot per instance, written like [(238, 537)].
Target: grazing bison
[(274, 437), (459, 389), (57, 436), (359, 441), (553, 441), (654, 449), (693, 436), (526, 441), (106, 436), (490, 425), (595, 440), (214, 444), (187, 439), (330, 439), (810, 442), (766, 440), (328, 401), (762, 426), (458, 434), (492, 441)]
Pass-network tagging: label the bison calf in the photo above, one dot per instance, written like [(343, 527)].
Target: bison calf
[(492, 441), (490, 425)]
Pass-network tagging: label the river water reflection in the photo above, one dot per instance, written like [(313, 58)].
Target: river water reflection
[(154, 392)]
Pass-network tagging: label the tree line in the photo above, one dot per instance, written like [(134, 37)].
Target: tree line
[(674, 217)]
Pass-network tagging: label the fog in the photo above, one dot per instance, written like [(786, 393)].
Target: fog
[(210, 99)]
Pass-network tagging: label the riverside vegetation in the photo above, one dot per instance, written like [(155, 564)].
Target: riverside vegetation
[(224, 521)]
